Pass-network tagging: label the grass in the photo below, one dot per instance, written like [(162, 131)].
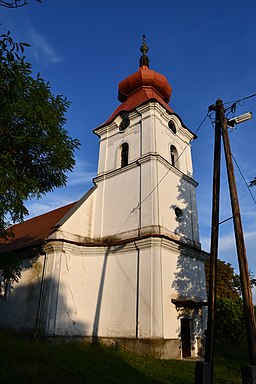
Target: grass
[(25, 361)]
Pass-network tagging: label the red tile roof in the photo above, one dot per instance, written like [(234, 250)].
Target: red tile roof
[(34, 231), (140, 97)]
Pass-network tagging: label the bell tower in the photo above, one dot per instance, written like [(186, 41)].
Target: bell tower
[(145, 178), (145, 221)]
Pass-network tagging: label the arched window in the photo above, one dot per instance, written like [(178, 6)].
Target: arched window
[(124, 154), (174, 156)]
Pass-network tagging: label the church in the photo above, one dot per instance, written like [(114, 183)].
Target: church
[(124, 263)]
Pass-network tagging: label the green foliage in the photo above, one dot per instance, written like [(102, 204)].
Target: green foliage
[(230, 322), (252, 182), (227, 280), (10, 271), (10, 267), (35, 150)]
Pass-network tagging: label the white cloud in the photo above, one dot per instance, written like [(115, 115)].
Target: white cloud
[(41, 48), (80, 175), (42, 206), (226, 242)]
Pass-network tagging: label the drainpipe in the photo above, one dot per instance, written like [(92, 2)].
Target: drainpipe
[(39, 311), (140, 179), (139, 234), (137, 290)]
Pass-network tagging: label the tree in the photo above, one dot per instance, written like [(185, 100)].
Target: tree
[(15, 3), (10, 271), (35, 149), (228, 282), (252, 182), (230, 324)]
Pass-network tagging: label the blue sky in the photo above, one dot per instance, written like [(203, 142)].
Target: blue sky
[(206, 50)]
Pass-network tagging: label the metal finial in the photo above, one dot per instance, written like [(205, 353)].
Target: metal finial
[(144, 60)]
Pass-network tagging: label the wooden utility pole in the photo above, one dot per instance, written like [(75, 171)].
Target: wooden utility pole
[(209, 346), (240, 245), (204, 370)]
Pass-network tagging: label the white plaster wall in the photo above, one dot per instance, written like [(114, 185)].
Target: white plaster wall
[(176, 191), (81, 222), (149, 173), (162, 189), (151, 294), (19, 310), (157, 137), (117, 196), (96, 292), (183, 278), (111, 141), (148, 133)]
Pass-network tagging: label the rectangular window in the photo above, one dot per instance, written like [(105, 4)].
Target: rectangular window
[(124, 154)]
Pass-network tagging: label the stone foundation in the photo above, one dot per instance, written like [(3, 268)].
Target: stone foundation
[(158, 348)]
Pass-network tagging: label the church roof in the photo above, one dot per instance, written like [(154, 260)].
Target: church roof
[(141, 87), (34, 231)]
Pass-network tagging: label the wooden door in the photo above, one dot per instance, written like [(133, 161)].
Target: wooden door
[(186, 337)]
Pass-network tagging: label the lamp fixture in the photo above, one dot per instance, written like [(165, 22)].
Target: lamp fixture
[(239, 119)]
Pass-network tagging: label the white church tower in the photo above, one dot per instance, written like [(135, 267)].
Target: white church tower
[(124, 264), (145, 181), (146, 205)]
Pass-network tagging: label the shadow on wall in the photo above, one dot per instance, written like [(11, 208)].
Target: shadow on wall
[(189, 281), (110, 250), (29, 305), (189, 278), (186, 216)]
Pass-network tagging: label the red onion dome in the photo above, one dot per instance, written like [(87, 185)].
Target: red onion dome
[(144, 77)]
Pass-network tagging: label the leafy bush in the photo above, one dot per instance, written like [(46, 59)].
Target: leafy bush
[(230, 323)]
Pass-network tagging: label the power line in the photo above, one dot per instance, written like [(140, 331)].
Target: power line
[(160, 181), (208, 114), (239, 100), (176, 160), (247, 186)]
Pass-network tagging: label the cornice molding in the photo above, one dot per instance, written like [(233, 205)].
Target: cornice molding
[(146, 158)]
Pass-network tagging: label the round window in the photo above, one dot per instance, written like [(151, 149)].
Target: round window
[(171, 125), (124, 124)]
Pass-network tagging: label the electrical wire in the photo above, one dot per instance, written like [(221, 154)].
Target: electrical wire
[(239, 100), (232, 109), (244, 180), (160, 181), (175, 162)]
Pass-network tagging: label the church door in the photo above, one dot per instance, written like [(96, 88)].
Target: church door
[(186, 337)]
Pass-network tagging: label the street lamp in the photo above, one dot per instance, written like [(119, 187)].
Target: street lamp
[(239, 119)]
